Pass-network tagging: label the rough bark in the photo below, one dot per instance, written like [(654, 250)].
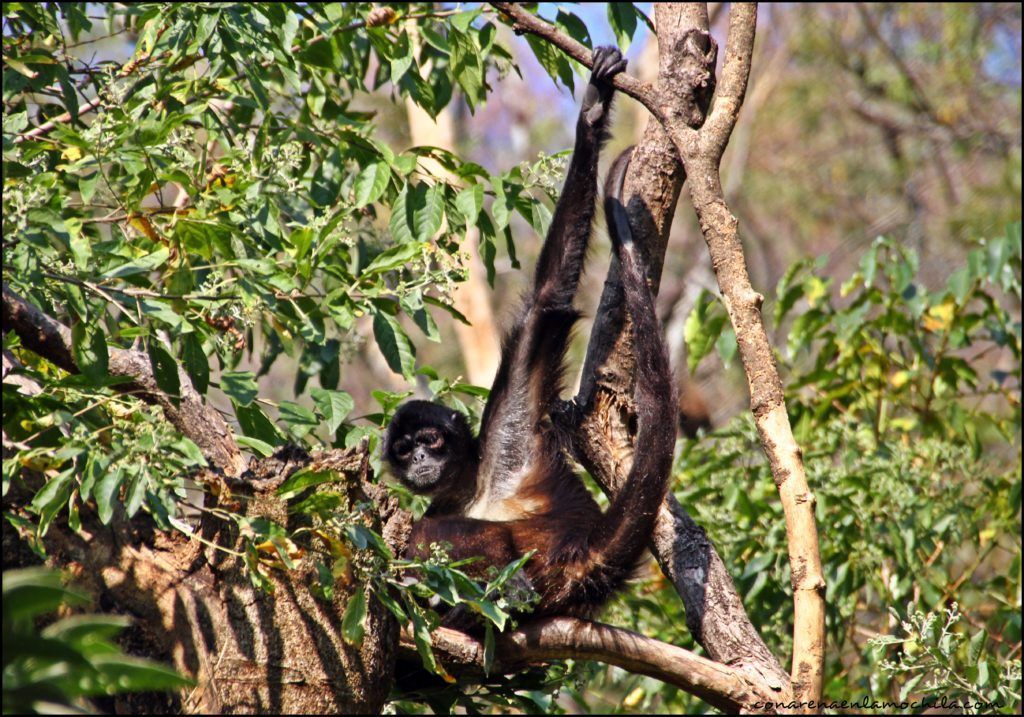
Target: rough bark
[(248, 650)]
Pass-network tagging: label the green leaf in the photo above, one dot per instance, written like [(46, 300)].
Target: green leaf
[(573, 26), (299, 418), (106, 492), (78, 243), (165, 369), (422, 318), (362, 538), (333, 406), (370, 183), (140, 265), (76, 302), (304, 478), (52, 497), (352, 623), (727, 346), (467, 67), (909, 686), (80, 630), (469, 202), (702, 329), (394, 344), (318, 54), (505, 195), (975, 647), (319, 504), (261, 447), (491, 611), (90, 349), (28, 592), (51, 490), (255, 424), (455, 313), (428, 215), (394, 258), (552, 60), (123, 673), (240, 386), (136, 491), (401, 57), (399, 225), (421, 634), (195, 361), (391, 604), (509, 570), (87, 187), (622, 18)]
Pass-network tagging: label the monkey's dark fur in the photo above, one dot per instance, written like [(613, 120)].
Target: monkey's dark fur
[(513, 490)]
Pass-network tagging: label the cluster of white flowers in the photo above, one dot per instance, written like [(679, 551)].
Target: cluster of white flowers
[(20, 197), (547, 172)]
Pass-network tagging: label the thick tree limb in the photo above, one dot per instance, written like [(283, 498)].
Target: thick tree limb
[(564, 637), (190, 415)]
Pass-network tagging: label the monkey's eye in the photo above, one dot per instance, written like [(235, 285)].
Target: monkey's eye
[(402, 447), (431, 438)]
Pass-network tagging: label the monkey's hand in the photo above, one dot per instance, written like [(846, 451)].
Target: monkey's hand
[(608, 62)]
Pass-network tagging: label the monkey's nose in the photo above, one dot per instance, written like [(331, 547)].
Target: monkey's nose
[(418, 455)]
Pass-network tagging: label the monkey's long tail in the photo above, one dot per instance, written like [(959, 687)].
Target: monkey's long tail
[(617, 542)]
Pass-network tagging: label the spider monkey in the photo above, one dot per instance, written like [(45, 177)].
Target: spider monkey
[(512, 489)]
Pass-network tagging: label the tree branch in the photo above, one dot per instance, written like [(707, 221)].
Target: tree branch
[(739, 47), (190, 415), (523, 21), (767, 396), (564, 637)]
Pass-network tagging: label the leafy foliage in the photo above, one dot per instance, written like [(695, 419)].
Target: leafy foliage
[(930, 660), (51, 670), (223, 201)]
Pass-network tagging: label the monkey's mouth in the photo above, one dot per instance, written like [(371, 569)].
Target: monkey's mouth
[(423, 479)]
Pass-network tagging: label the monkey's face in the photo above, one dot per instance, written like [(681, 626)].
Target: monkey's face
[(427, 445)]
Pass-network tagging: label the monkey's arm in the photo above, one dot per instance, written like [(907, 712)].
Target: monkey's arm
[(530, 374)]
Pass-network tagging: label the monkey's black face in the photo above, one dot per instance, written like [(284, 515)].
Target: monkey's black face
[(428, 446)]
